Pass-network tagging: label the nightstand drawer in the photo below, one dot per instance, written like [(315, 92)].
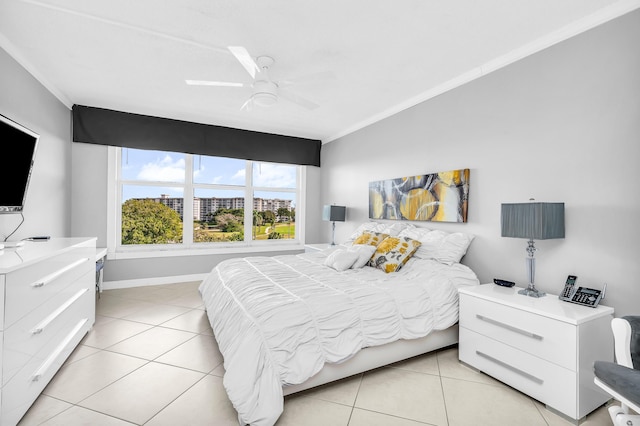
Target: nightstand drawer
[(538, 378), (537, 335)]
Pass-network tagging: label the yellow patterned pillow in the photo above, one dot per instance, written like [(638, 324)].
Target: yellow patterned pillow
[(393, 253), (370, 238)]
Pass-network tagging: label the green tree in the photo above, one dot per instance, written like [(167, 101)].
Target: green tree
[(284, 212), (269, 217), (258, 220), (148, 222), (235, 212), (228, 222)]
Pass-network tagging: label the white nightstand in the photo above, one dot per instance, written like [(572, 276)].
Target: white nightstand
[(543, 347), (308, 248)]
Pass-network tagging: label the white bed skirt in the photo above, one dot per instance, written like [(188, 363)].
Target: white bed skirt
[(379, 356)]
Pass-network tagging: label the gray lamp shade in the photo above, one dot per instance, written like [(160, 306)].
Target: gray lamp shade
[(535, 221), (334, 213)]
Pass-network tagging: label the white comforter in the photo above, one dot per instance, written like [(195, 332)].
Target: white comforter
[(278, 320)]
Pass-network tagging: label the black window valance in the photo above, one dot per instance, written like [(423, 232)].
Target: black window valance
[(116, 128)]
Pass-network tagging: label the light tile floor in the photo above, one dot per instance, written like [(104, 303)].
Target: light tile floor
[(151, 359)]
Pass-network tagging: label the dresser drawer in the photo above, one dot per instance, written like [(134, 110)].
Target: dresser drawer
[(20, 392), (537, 335), (37, 330), (547, 382), (27, 288)]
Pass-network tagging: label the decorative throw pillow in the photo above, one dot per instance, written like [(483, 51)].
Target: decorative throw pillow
[(341, 260), (370, 238), (364, 251), (393, 253)]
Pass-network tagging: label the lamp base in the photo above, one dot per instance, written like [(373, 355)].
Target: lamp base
[(333, 234), (532, 292)]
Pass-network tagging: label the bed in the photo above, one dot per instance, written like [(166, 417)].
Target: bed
[(291, 322)]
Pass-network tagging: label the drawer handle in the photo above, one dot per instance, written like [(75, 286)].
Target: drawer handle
[(46, 280), (510, 327), (55, 314), (61, 347), (511, 367)]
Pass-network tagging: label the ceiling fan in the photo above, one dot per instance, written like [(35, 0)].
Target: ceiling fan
[(265, 92)]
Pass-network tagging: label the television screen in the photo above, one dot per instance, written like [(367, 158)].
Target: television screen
[(18, 148)]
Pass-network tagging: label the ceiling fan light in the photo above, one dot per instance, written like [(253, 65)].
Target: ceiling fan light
[(265, 93), (265, 99)]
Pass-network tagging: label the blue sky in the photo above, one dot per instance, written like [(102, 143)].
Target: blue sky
[(156, 166)]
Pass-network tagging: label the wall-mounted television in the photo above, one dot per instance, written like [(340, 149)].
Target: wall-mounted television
[(18, 150)]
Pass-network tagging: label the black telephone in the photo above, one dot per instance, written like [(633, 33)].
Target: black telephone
[(581, 295)]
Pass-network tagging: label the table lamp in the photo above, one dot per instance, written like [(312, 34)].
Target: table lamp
[(334, 214), (533, 221)]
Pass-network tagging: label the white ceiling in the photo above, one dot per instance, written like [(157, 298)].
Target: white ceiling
[(384, 56)]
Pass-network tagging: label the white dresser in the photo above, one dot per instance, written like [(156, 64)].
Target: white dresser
[(543, 347), (47, 305)]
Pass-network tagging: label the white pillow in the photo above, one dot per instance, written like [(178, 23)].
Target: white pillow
[(445, 247), (394, 229), (341, 260), (415, 233), (364, 251), (365, 227)]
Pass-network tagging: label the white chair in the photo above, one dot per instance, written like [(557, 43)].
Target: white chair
[(621, 380)]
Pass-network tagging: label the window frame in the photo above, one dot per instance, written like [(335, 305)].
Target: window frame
[(114, 218)]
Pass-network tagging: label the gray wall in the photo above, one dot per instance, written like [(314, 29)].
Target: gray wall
[(48, 207), (561, 125)]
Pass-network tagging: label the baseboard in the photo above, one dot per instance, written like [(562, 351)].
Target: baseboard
[(113, 285)]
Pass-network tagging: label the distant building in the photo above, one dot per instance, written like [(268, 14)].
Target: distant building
[(204, 207), (176, 204)]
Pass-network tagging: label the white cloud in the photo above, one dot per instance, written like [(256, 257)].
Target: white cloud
[(164, 170), (235, 179), (197, 172), (275, 176), (239, 176)]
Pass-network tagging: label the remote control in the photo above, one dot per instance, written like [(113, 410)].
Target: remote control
[(504, 283)]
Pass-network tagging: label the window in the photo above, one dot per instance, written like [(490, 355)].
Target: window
[(168, 200)]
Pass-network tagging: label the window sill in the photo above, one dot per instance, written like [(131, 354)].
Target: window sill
[(148, 252)]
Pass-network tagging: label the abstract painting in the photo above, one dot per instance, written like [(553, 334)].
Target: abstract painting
[(435, 197)]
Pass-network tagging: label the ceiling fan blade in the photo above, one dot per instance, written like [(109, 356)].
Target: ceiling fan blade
[(308, 78), (245, 59), (296, 99), (248, 105), (213, 83)]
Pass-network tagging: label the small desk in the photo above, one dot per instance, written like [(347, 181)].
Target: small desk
[(101, 255)]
